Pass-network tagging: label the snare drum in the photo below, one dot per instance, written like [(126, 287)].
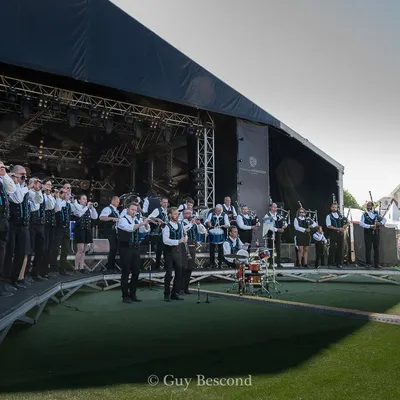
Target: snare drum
[(254, 267), (200, 238), (71, 229), (264, 254), (254, 279), (217, 236)]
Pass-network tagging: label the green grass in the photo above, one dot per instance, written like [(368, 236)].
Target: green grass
[(95, 347)]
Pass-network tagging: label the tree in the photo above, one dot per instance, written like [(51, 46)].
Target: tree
[(349, 200)]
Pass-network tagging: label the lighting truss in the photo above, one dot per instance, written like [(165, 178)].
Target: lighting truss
[(206, 164), (96, 185), (26, 89)]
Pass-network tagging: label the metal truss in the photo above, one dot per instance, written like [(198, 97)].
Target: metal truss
[(45, 153), (95, 185), (105, 107), (206, 166)]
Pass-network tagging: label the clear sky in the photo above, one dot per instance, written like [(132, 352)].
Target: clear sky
[(329, 69)]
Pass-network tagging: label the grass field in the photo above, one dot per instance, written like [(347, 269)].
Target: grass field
[(95, 347)]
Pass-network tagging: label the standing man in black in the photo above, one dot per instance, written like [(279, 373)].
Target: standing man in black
[(246, 226), (110, 216), (159, 216), (173, 238), (7, 187), (128, 229), (371, 221)]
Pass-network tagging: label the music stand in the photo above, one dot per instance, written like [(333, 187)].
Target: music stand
[(152, 241)]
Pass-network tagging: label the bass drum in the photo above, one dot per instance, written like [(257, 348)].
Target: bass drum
[(203, 213)]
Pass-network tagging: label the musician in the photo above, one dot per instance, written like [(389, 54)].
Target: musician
[(7, 187), (110, 215), (217, 219), (246, 226), (128, 229), (18, 246), (229, 210), (151, 202), (173, 237), (192, 227), (233, 244), (303, 226), (84, 212), (63, 216), (187, 206), (371, 221), (336, 226), (320, 242), (279, 227), (159, 216)]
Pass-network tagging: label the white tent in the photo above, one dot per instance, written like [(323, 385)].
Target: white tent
[(354, 214), (392, 216)]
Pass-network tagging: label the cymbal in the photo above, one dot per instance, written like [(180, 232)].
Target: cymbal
[(236, 256)]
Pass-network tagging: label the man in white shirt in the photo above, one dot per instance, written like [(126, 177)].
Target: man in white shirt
[(371, 221), (233, 244), (110, 216), (173, 236), (128, 228), (229, 209), (246, 226), (159, 216)]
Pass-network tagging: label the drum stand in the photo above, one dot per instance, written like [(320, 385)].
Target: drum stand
[(268, 281), (239, 283)]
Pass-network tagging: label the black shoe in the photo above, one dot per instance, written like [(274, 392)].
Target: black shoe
[(39, 278), (127, 300), (19, 285), (135, 299), (175, 297), (339, 266), (4, 293), (378, 267), (187, 292), (8, 288), (167, 299)]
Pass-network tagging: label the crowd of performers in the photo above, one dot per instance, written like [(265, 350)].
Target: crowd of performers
[(35, 234)]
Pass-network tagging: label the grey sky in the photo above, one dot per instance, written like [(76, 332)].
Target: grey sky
[(328, 69)]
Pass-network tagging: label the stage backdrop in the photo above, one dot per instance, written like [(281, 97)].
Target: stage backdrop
[(253, 170)]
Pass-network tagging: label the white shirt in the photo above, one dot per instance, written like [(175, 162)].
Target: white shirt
[(187, 226), (35, 199), (228, 250), (78, 210), (60, 204), (107, 211), (372, 216), (319, 237), (50, 201), (328, 218), (156, 213), (224, 221), (299, 228), (8, 184), (225, 208), (127, 224), (274, 216), (166, 235), (180, 217), (145, 207), (241, 224), (182, 207)]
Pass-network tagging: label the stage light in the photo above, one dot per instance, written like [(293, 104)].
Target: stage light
[(138, 130), (72, 118), (108, 126), (240, 183), (94, 113), (129, 118), (168, 135), (43, 103), (11, 95), (240, 160), (105, 114), (26, 109), (55, 104), (190, 130)]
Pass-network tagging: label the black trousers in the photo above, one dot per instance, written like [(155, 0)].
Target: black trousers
[(246, 237), (187, 266), (61, 238), (336, 248), (130, 264), (371, 239), (220, 248), (160, 250), (113, 242), (173, 262), (277, 248), (18, 246), (319, 254), (49, 235), (4, 231), (38, 249)]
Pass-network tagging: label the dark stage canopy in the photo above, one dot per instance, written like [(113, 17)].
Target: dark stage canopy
[(95, 41)]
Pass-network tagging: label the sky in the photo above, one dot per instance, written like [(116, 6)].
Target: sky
[(329, 69)]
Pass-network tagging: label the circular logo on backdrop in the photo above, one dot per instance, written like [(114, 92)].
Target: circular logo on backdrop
[(253, 161)]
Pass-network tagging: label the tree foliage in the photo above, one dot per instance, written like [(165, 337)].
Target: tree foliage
[(349, 200)]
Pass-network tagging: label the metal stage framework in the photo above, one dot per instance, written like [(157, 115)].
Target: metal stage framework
[(61, 291), (50, 104)]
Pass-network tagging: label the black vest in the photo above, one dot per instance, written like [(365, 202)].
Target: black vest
[(4, 203), (50, 218), (19, 213), (234, 249), (220, 219), (336, 222), (39, 217), (192, 232), (370, 221), (63, 217), (175, 234), (303, 223), (129, 237), (84, 222), (154, 202), (110, 225), (246, 221)]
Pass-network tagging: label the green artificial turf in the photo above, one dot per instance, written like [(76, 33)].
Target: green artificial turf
[(95, 347)]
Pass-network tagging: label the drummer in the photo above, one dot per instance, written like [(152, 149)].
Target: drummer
[(217, 220), (233, 244), (246, 226)]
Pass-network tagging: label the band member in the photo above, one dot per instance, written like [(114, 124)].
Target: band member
[(192, 227), (320, 242), (62, 238), (85, 212), (151, 202), (303, 226), (187, 206), (229, 210), (279, 227), (233, 244), (173, 237), (18, 246), (50, 222), (217, 219), (128, 229), (110, 216), (7, 187), (246, 226), (336, 226), (371, 221), (159, 216)]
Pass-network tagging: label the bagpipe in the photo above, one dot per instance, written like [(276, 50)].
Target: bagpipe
[(378, 218), (311, 216), (343, 219)]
